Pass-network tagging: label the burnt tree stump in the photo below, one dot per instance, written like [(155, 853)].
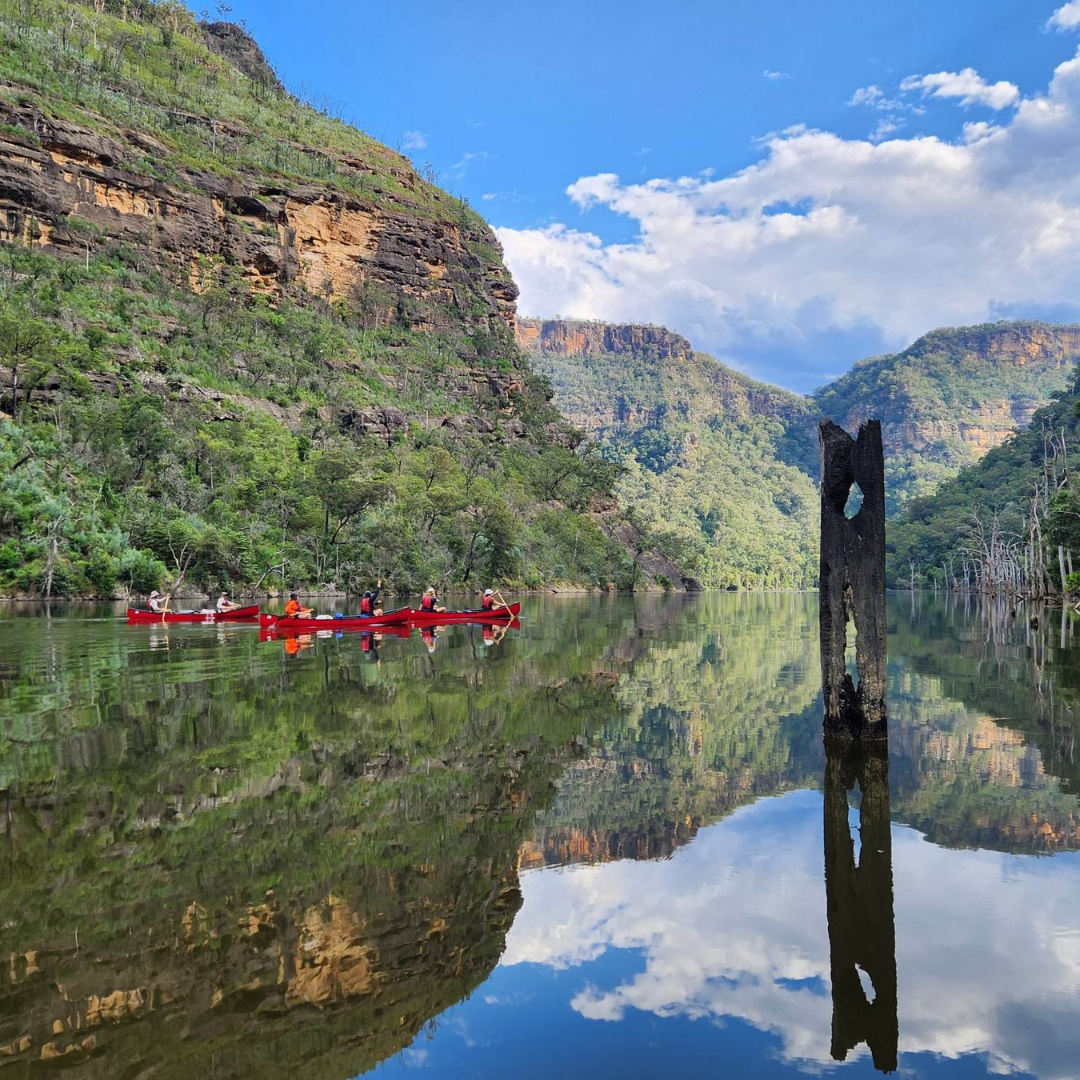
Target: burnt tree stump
[(852, 580)]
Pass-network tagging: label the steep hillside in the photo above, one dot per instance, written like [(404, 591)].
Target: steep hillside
[(241, 342), (1037, 464), (952, 396), (728, 466), (717, 465)]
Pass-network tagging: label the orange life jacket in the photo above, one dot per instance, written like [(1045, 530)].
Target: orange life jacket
[(292, 607)]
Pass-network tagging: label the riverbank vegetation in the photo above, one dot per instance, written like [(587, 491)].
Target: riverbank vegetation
[(154, 432)]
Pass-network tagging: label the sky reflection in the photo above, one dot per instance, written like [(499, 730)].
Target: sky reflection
[(733, 926)]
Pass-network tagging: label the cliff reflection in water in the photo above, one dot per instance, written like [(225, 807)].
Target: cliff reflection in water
[(298, 864), (220, 857), (859, 902)]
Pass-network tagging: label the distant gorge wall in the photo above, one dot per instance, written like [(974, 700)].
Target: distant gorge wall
[(571, 338), (978, 427), (986, 423)]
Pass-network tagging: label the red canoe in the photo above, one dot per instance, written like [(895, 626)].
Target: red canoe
[(144, 615), (279, 623), (441, 618)]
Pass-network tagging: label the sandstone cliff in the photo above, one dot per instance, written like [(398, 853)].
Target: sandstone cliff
[(64, 186), (580, 338), (1041, 356), (207, 259), (693, 383)]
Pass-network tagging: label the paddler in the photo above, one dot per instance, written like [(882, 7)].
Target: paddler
[(369, 602), (225, 604), (430, 600), (293, 610), (156, 600), (488, 603)]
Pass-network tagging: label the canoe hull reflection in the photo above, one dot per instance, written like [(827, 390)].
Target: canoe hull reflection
[(283, 624), (142, 615)]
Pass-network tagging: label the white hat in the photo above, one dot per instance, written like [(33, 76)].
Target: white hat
[(489, 592), (154, 593), (489, 641)]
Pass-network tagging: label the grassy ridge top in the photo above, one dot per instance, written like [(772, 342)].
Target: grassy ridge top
[(145, 67)]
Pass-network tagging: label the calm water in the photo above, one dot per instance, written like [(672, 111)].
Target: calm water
[(608, 844)]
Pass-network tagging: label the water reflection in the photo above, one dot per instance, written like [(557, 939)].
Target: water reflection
[(859, 903), (542, 854)]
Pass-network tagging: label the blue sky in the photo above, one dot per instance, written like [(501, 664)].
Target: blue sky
[(826, 251)]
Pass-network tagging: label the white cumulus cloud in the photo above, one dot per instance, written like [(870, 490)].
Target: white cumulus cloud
[(413, 140), (886, 126), (967, 85), (1067, 17), (828, 248)]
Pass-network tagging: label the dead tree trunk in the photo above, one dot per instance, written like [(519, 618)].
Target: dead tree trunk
[(852, 580), (859, 903)]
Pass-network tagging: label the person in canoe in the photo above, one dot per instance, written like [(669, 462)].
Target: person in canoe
[(369, 602), (293, 610), (489, 602), (430, 600), (224, 603), (157, 601)]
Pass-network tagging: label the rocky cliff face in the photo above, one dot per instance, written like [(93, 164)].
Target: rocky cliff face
[(561, 337), (706, 385), (64, 187), (1019, 344)]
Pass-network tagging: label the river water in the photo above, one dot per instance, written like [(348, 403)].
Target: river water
[(608, 843)]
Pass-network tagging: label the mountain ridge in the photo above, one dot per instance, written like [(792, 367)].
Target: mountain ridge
[(726, 465), (869, 387)]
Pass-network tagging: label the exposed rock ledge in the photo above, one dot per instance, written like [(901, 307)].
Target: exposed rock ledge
[(328, 240)]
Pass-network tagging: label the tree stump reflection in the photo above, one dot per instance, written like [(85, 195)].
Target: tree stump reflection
[(859, 903)]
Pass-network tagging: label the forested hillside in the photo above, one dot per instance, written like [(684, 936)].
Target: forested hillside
[(1026, 480), (951, 397), (242, 343), (725, 468), (717, 466)]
